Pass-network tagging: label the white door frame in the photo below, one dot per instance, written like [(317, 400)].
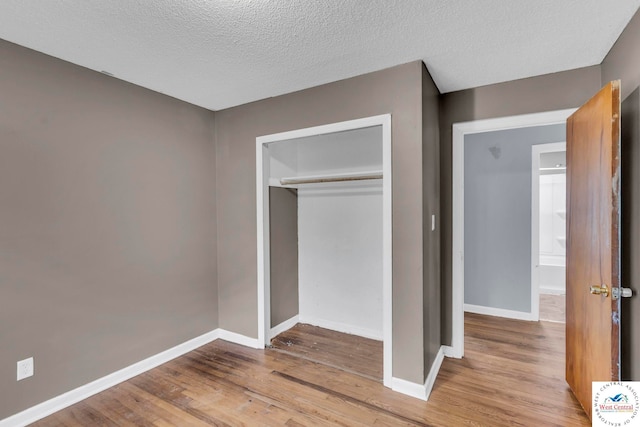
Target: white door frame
[(460, 130), (262, 198), (536, 150)]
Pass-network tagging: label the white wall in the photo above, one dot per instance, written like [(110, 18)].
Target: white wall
[(552, 233), (340, 256), (552, 219), (349, 151), (339, 229)]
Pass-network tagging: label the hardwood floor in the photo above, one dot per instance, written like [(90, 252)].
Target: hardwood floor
[(553, 308), (350, 353), (512, 374)]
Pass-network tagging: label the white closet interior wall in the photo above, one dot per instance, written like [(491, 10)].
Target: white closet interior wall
[(340, 246)]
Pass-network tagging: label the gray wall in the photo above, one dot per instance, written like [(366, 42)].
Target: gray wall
[(623, 62), (108, 208), (397, 91), (107, 225), (283, 232), (497, 223), (549, 92), (430, 206)]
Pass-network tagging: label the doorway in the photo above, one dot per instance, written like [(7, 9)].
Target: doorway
[(460, 131), (273, 172), (548, 229)]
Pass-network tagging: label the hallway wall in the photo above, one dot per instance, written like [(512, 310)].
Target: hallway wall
[(497, 217), (623, 62), (568, 89)]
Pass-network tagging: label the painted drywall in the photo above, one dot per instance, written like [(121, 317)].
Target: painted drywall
[(339, 230), (283, 232), (552, 203), (552, 279), (630, 233), (553, 162), (623, 62), (355, 150), (549, 92), (552, 228), (340, 255), (553, 209), (396, 91), (107, 225), (430, 207), (497, 215)]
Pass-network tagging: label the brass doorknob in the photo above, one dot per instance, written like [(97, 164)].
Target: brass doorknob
[(600, 290)]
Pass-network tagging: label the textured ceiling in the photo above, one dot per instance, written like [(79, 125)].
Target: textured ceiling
[(221, 53)]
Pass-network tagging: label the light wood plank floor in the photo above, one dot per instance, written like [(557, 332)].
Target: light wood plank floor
[(512, 375), (349, 353), (553, 308)]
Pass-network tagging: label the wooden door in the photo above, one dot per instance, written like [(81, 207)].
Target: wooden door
[(593, 243)]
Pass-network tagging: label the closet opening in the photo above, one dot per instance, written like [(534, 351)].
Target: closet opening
[(324, 242)]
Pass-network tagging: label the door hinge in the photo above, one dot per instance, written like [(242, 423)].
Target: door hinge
[(621, 293)]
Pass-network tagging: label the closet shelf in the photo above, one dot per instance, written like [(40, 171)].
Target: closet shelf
[(314, 179)]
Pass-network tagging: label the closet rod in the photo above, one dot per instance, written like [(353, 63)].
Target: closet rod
[(330, 178)]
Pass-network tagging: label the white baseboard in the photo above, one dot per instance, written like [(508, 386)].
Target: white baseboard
[(238, 339), (420, 391), (552, 291), (62, 401), (408, 388), (284, 326), (499, 312), (433, 373), (450, 351), (342, 327)]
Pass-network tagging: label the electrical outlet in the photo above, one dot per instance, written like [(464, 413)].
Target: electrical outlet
[(25, 368)]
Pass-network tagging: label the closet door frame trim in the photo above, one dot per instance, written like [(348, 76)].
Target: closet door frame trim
[(262, 206)]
